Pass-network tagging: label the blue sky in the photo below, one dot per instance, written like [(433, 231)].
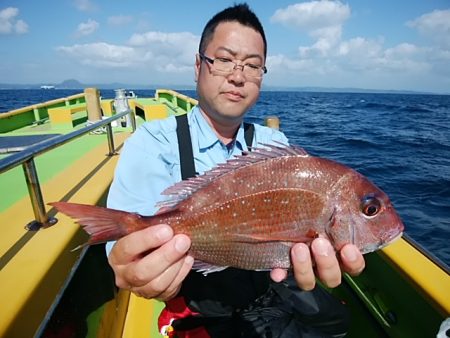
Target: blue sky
[(402, 44)]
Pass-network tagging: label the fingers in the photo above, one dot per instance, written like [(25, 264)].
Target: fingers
[(160, 267), (133, 245), (173, 289), (278, 275), (352, 260), (151, 262), (303, 267), (327, 264), (166, 285)]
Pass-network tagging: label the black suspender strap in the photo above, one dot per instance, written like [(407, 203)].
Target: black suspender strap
[(249, 131), (185, 145)]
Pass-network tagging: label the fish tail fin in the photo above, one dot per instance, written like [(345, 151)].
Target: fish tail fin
[(102, 224)]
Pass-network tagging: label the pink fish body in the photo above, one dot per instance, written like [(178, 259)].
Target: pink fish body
[(248, 212)]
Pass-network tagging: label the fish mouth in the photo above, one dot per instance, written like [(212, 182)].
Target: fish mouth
[(381, 244)]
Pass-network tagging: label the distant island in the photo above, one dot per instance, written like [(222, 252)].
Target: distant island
[(75, 84), (66, 84)]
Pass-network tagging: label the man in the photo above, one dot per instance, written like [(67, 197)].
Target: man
[(153, 263)]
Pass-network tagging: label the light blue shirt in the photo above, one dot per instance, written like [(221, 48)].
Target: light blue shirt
[(150, 162)]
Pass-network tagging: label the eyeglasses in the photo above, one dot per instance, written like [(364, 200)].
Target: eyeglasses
[(227, 66)]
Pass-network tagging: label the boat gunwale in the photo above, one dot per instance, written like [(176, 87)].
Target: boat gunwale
[(16, 159), (40, 105)]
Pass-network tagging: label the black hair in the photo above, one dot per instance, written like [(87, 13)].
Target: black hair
[(240, 13)]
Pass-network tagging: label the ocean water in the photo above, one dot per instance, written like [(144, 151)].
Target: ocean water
[(400, 142)]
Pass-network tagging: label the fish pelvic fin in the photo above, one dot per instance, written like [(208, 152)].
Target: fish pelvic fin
[(102, 224), (206, 268)]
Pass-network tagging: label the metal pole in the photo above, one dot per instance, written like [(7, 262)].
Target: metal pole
[(109, 133), (37, 202), (133, 120)]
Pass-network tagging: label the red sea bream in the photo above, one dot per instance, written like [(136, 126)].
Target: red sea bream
[(248, 212)]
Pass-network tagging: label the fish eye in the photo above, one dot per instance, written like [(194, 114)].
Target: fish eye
[(370, 206)]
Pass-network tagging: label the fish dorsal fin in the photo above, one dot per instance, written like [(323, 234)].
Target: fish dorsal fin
[(181, 190)]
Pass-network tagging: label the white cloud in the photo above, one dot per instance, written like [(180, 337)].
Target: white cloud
[(21, 27), (313, 15), (359, 56), (435, 25), (280, 63), (87, 28), (322, 20), (359, 49), (85, 5), (152, 51), (120, 20), (359, 61), (9, 24), (101, 54), (166, 47)]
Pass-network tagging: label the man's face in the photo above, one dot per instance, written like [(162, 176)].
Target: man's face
[(226, 98)]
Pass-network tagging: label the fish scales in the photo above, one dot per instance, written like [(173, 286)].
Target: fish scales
[(248, 212), (274, 216), (243, 210), (310, 172)]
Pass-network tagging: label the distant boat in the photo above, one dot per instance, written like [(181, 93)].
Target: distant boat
[(47, 87)]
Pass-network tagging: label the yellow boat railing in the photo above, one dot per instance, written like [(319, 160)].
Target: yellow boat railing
[(76, 98), (26, 159)]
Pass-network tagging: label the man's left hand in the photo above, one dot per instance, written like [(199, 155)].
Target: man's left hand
[(327, 267)]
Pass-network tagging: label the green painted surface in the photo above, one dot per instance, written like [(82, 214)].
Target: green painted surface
[(147, 101), (33, 114), (154, 332), (393, 306), (47, 166)]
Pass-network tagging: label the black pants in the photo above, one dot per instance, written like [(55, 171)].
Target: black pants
[(282, 311)]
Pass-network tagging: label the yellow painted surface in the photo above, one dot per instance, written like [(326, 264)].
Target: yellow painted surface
[(63, 115), (121, 302), (132, 104), (152, 111), (94, 110), (40, 105), (157, 111), (192, 101), (429, 278), (107, 107), (139, 319), (36, 272)]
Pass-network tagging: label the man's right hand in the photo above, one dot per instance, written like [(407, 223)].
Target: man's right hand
[(152, 262)]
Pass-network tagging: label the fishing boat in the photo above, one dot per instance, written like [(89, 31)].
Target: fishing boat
[(66, 150)]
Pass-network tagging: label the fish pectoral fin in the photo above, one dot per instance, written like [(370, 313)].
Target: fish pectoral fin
[(207, 268), (278, 237)]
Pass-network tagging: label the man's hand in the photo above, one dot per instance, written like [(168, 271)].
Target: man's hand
[(327, 267), (152, 263)]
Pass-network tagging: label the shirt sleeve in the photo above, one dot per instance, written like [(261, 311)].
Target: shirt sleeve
[(145, 169), (266, 135)]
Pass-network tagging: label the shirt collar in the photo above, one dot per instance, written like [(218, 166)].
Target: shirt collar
[(206, 136)]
